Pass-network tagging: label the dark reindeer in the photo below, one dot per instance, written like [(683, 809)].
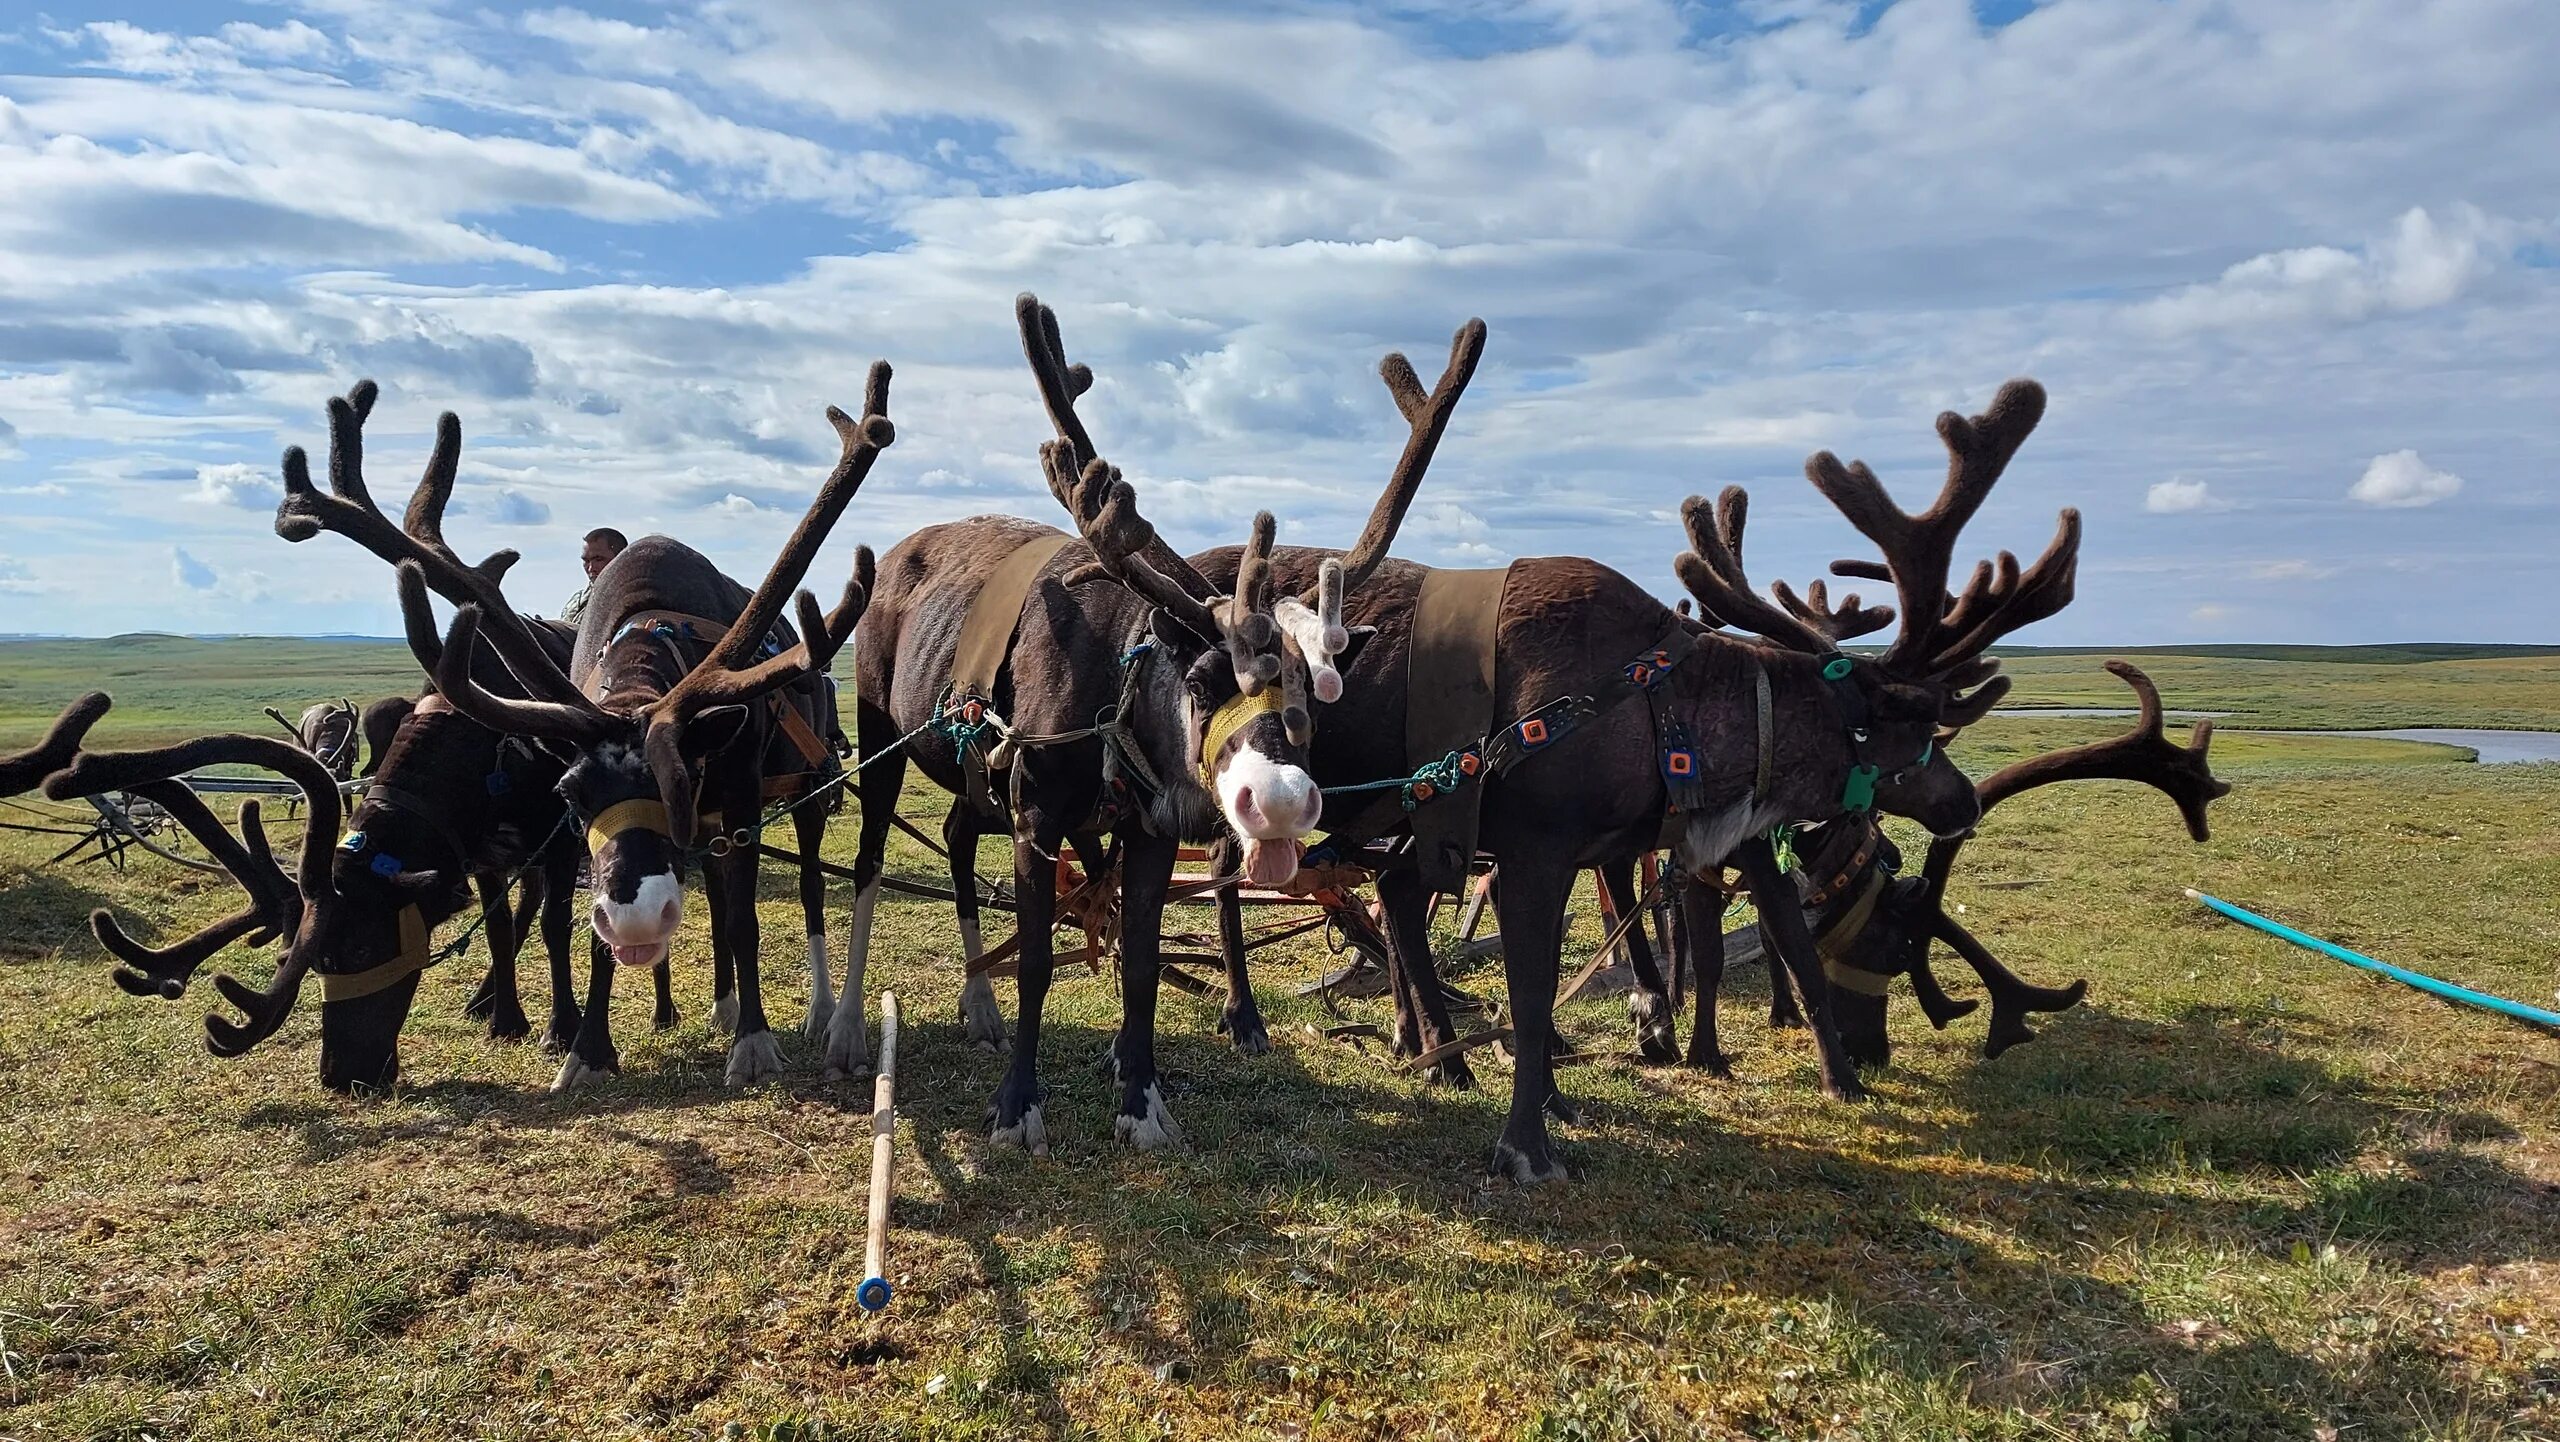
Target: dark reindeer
[(657, 707), (451, 809), (1845, 732), (1872, 923), (1206, 696)]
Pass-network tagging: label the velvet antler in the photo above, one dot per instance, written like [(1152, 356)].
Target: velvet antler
[(1712, 571), (24, 770), (2182, 773), (1427, 413)]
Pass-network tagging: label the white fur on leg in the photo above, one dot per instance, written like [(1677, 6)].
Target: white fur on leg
[(1030, 1133), (1154, 1130), (576, 1073), (981, 1019), (848, 1034), (724, 1014), (754, 1059), (822, 998)]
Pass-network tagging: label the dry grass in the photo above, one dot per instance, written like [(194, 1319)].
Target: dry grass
[(2242, 1192)]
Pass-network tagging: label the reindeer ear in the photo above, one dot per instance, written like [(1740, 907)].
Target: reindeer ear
[(713, 730)]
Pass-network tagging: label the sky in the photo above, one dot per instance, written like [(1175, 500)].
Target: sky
[(2289, 269)]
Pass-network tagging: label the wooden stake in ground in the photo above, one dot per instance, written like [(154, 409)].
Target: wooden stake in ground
[(874, 1292)]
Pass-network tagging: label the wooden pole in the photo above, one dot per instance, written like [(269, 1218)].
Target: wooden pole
[(874, 1293)]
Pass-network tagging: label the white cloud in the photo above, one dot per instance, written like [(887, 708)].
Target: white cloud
[(2418, 264), (514, 508), (189, 572), (2400, 479), (17, 580), (733, 504), (2179, 495), (2292, 570), (236, 484)]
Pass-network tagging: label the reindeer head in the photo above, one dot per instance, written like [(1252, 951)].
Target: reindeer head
[(1254, 666), (339, 914), (1935, 678), (634, 757)]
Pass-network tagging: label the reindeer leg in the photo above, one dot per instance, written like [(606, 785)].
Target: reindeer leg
[(1784, 1014), (592, 1054), (1147, 863), (981, 1020), (1649, 1004), (1702, 917), (1531, 908), (1776, 898), (724, 964), (498, 997), (754, 1056), (1422, 1006), (559, 904), (809, 829), (1017, 1120), (1241, 1020)]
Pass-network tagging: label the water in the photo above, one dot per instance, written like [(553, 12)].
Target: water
[(2496, 748)]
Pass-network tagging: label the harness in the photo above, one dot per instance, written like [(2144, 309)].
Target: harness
[(1856, 885), (986, 639), (1233, 715)]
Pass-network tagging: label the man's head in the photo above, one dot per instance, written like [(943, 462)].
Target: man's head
[(602, 545)]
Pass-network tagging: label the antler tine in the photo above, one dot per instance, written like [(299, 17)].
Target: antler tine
[(729, 675), (2013, 599), (273, 910), (266, 1010), (1428, 415), (1712, 571), (1253, 638), (822, 635), (96, 772), (1105, 511), (2012, 998), (24, 770), (1060, 383), (1840, 623), (1919, 548), (578, 725), (348, 509)]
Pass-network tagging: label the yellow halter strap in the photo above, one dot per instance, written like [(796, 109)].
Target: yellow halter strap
[(638, 814), (1229, 719), (412, 959)]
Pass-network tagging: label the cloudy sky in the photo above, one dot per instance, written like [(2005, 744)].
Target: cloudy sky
[(2289, 268)]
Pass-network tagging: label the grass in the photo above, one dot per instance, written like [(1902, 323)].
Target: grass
[(2242, 1192)]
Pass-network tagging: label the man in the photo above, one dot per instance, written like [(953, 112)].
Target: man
[(602, 545)]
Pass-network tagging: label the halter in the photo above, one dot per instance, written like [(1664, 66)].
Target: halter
[(637, 814), (413, 957), (1237, 712), (1858, 792)]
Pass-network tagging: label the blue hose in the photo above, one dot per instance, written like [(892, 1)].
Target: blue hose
[(2420, 980)]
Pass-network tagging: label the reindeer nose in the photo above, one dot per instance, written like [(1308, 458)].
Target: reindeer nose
[(1244, 798)]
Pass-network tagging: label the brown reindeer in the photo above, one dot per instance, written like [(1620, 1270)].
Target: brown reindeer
[(1841, 733), (658, 708), (1153, 709)]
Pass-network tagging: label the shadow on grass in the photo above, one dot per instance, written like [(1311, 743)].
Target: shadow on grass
[(2107, 1133)]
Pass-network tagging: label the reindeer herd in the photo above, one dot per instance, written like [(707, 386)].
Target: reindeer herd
[(1296, 707)]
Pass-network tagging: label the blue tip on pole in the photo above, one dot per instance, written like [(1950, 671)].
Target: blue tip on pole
[(873, 1294), (2420, 980)]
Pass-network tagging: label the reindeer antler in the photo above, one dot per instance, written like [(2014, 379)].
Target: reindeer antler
[(1428, 416), (1105, 511), (2182, 773), (1943, 636), (24, 770), (348, 509), (1712, 571)]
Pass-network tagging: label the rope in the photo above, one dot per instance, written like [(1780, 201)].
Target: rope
[(1433, 778)]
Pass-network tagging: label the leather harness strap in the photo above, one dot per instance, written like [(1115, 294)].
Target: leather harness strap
[(986, 639), (412, 959), (1449, 707), (1837, 938)]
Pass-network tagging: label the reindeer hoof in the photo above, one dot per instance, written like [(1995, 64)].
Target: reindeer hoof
[(822, 1010), (981, 1020), (1151, 1129), (576, 1071), (1527, 1168), (754, 1059), (1246, 1030), (1714, 1063), (508, 1023), (848, 1046), (1030, 1134), (1562, 1110), (724, 1015)]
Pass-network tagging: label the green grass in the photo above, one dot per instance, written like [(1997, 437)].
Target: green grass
[(2242, 1192)]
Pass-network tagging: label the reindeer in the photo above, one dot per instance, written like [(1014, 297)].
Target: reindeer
[(655, 707), (1153, 709), (1873, 924), (329, 731), (1841, 733), (452, 808)]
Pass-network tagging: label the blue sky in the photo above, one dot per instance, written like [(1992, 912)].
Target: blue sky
[(2287, 268)]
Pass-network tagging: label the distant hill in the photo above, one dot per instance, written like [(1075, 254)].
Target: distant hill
[(2409, 653)]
